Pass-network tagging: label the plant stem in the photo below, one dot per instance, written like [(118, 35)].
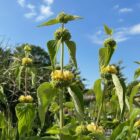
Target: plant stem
[(61, 112), (61, 115), (25, 81)]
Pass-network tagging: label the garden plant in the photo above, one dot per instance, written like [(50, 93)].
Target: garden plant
[(43, 97)]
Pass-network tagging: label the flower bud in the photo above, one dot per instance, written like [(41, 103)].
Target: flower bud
[(109, 43), (62, 18)]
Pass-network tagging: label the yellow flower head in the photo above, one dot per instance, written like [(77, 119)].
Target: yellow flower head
[(68, 75), (94, 128), (91, 127), (21, 98), (25, 99), (26, 61), (29, 98), (109, 69), (137, 123), (27, 48), (58, 75)]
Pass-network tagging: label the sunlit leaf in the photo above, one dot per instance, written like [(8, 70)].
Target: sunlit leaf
[(72, 51), (105, 55), (77, 97), (134, 91), (119, 91), (53, 47), (107, 30), (25, 113), (50, 22), (137, 73), (45, 95), (98, 92)]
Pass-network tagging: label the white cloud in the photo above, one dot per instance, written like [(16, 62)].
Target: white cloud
[(37, 12), (31, 12), (135, 30), (45, 12), (120, 34), (49, 2), (21, 2), (31, 6), (125, 10)]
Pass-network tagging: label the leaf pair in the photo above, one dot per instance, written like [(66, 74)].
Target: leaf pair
[(61, 18), (53, 47)]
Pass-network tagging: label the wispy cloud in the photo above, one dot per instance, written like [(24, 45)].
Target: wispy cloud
[(37, 12), (122, 10), (31, 12), (120, 35), (125, 10), (21, 2), (49, 2), (45, 12)]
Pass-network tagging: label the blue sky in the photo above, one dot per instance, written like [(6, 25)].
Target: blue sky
[(19, 18)]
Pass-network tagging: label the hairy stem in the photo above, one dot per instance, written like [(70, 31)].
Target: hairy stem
[(25, 81), (61, 94)]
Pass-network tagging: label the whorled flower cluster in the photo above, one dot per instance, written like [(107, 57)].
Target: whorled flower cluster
[(89, 128), (109, 42), (62, 78), (109, 69), (25, 99), (63, 17), (26, 61), (27, 48), (62, 34)]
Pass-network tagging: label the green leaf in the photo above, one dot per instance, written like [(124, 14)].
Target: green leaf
[(53, 47), (134, 91), (118, 130), (105, 55), (119, 91), (2, 120), (54, 130), (3, 98), (77, 97), (73, 17), (72, 51), (98, 92), (137, 62), (135, 112), (18, 78), (107, 30), (50, 22), (45, 94), (25, 113), (137, 73)]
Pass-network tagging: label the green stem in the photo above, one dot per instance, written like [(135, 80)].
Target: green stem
[(61, 112), (25, 81), (61, 94)]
